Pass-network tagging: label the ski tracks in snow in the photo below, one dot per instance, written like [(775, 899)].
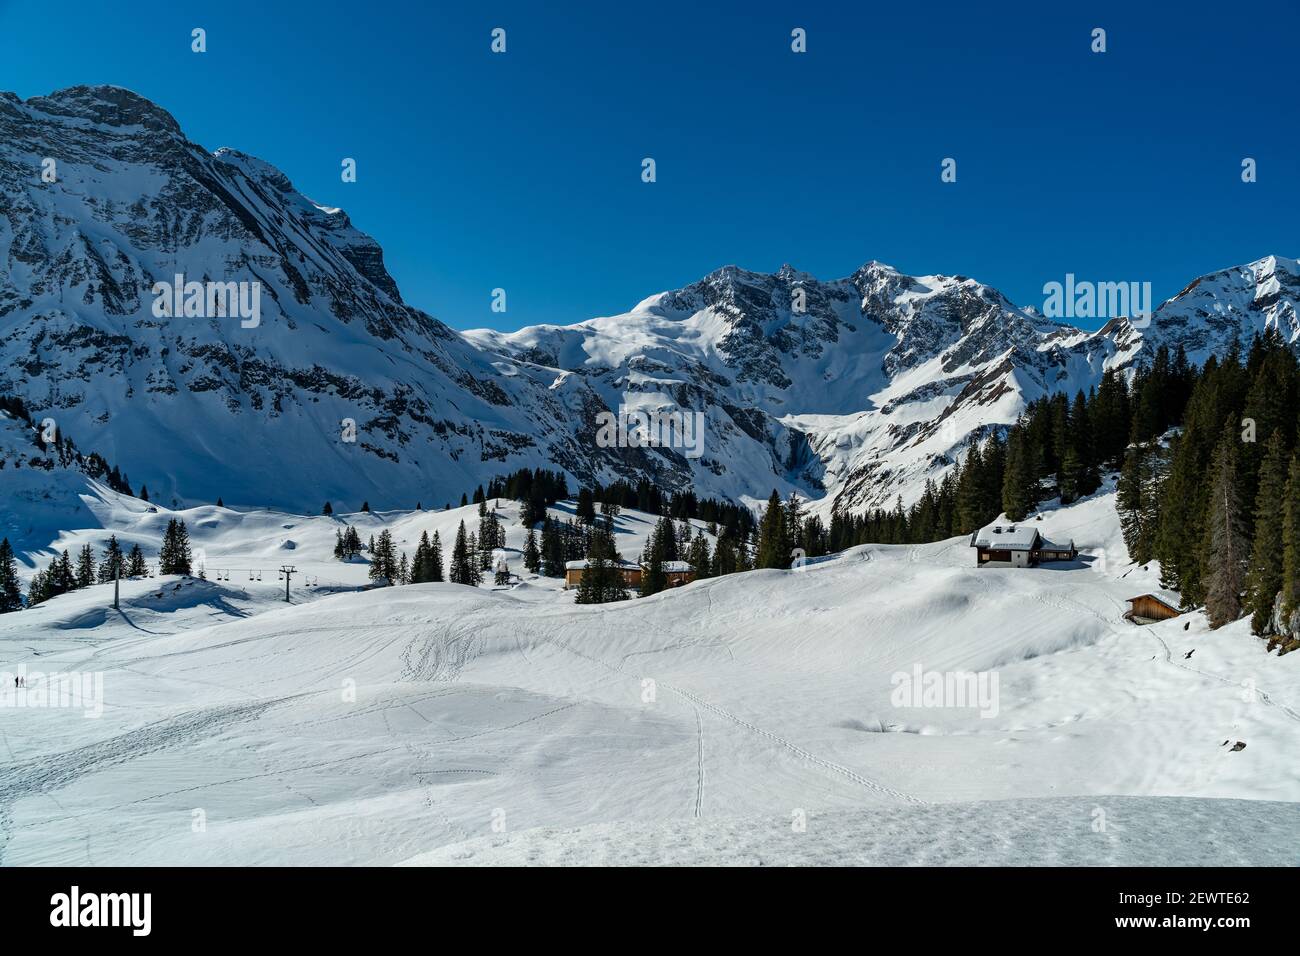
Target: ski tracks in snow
[(1260, 693)]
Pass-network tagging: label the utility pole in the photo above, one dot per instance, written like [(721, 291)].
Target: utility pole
[(287, 571)]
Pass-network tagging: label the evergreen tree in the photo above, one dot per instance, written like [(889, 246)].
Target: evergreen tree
[(86, 567), (328, 509), (62, 576), (463, 569), (586, 509), (365, 507), (1019, 482), (385, 567), (135, 563), (1291, 544), (552, 550), (698, 556), (1225, 544), (724, 557), (1264, 574), (420, 570), (653, 577), (532, 556), (11, 596), (602, 581), (175, 557), (773, 538), (113, 562), (435, 559)]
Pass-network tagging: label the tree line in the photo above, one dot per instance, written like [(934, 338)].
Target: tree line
[(1216, 499)]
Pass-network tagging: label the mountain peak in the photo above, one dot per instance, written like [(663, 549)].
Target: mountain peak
[(107, 105)]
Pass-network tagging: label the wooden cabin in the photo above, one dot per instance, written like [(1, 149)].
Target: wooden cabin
[(1156, 606), (678, 573), (1008, 544), (573, 573)]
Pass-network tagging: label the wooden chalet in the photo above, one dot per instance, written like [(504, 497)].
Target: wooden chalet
[(1008, 544), (678, 573), (573, 573)]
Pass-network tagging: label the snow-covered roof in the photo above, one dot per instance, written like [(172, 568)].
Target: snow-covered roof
[(1046, 545), (677, 567), (1006, 536), (582, 565), (1171, 599)]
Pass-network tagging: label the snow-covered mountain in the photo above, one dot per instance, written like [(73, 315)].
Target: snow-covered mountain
[(852, 391)]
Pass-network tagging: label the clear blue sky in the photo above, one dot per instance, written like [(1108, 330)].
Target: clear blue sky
[(522, 170)]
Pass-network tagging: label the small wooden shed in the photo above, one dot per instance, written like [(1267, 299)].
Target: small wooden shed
[(1154, 606)]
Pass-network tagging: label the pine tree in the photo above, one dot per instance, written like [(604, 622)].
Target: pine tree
[(403, 570), (462, 563), (384, 564), (586, 508), (532, 556), (435, 559), (144, 492), (1291, 546), (85, 566), (602, 581), (135, 563), (661, 547), (1225, 545), (724, 557), (773, 539), (11, 595), (175, 557), (62, 576), (1264, 574), (420, 570), (698, 556), (365, 507), (553, 559), (1019, 482), (328, 509), (112, 565)]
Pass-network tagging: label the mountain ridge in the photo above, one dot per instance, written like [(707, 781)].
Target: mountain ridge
[(849, 391)]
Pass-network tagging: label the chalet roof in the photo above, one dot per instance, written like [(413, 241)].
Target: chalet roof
[(1006, 536), (1170, 599), (1046, 545), (582, 566), (677, 567)]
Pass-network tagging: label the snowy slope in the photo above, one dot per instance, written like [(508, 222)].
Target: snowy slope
[(385, 726)]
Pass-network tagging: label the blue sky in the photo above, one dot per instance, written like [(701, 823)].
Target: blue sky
[(522, 170)]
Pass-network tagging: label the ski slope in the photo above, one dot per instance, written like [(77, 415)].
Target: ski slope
[(448, 725)]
